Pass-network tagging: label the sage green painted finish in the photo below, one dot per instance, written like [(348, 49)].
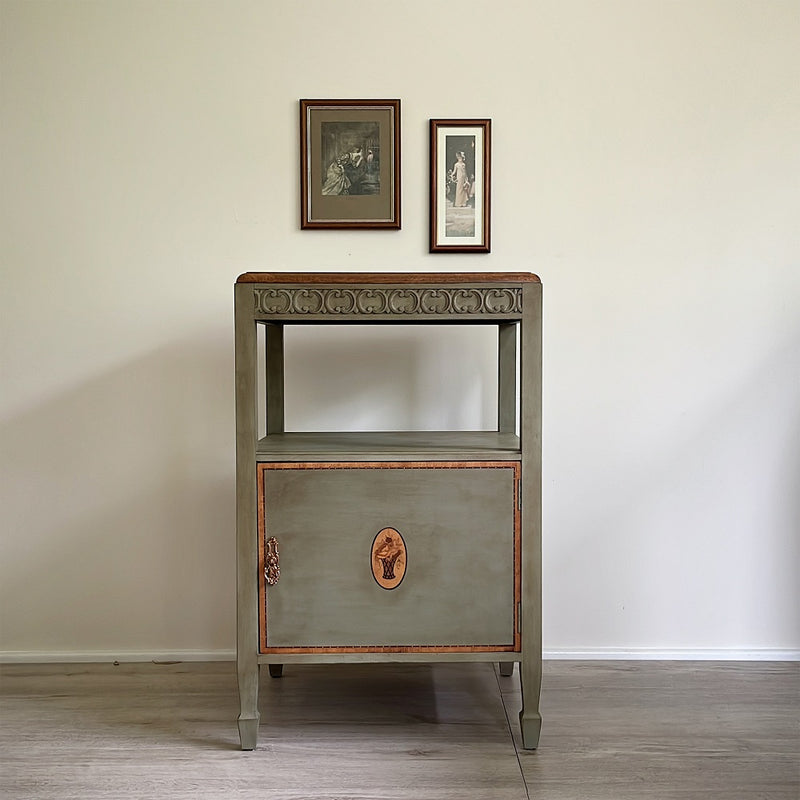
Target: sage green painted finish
[(507, 378), (246, 533), (366, 657), (273, 377), (531, 436), (458, 527), (400, 303), (515, 307), (390, 446)]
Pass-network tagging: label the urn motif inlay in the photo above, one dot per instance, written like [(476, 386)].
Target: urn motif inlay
[(388, 558)]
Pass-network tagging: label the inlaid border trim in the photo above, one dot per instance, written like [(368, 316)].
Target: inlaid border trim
[(264, 649)]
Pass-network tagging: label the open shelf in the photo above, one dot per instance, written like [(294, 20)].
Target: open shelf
[(397, 445)]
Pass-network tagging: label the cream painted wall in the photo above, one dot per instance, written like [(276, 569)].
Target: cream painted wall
[(646, 160)]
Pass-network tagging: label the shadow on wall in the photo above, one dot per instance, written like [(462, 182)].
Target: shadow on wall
[(391, 378), (119, 519)]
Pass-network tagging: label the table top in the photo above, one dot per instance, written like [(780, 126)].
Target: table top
[(387, 277)]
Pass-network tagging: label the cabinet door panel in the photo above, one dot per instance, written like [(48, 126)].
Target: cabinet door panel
[(460, 549)]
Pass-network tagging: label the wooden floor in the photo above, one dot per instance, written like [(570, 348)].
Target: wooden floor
[(611, 730)]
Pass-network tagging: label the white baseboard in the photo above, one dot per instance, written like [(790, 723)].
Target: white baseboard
[(672, 654), (110, 656), (588, 654)]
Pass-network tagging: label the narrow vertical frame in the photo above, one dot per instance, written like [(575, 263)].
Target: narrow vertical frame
[(460, 194)]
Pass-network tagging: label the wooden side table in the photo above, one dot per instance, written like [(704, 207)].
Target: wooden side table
[(389, 546)]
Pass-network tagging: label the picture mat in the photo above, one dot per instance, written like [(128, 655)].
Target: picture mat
[(350, 208)]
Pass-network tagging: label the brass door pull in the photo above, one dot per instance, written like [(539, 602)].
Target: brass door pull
[(272, 562)]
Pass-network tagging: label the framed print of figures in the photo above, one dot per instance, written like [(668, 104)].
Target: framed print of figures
[(460, 173), (350, 163)]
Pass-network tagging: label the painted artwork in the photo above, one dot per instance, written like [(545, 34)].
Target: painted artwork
[(352, 153), (350, 164), (460, 186)]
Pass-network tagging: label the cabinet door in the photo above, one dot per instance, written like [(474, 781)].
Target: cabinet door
[(389, 556)]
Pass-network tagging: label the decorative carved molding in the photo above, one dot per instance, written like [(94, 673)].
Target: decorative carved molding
[(378, 301)]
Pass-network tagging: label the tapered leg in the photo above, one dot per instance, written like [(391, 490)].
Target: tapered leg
[(531, 727), (530, 720), (248, 733), (248, 704), (275, 670), (506, 668)]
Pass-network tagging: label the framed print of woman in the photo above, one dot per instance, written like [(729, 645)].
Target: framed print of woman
[(460, 158)]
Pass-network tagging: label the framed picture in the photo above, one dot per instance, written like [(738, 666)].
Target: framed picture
[(350, 163), (460, 173)]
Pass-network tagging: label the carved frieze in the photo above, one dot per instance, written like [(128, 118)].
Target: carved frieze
[(379, 300)]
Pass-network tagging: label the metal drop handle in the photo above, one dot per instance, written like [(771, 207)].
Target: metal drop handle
[(272, 562)]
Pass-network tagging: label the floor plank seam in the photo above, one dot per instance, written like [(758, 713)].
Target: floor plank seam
[(511, 732)]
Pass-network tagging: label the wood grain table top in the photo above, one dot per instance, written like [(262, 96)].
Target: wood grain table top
[(387, 277)]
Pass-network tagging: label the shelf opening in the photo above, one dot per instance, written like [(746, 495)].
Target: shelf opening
[(391, 377)]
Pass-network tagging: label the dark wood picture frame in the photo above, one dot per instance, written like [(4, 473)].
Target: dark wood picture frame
[(460, 208), (350, 164)]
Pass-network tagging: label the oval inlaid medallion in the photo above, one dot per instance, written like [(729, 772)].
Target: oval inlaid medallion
[(388, 558)]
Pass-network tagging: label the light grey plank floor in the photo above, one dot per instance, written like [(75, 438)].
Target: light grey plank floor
[(668, 730), (373, 732)]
